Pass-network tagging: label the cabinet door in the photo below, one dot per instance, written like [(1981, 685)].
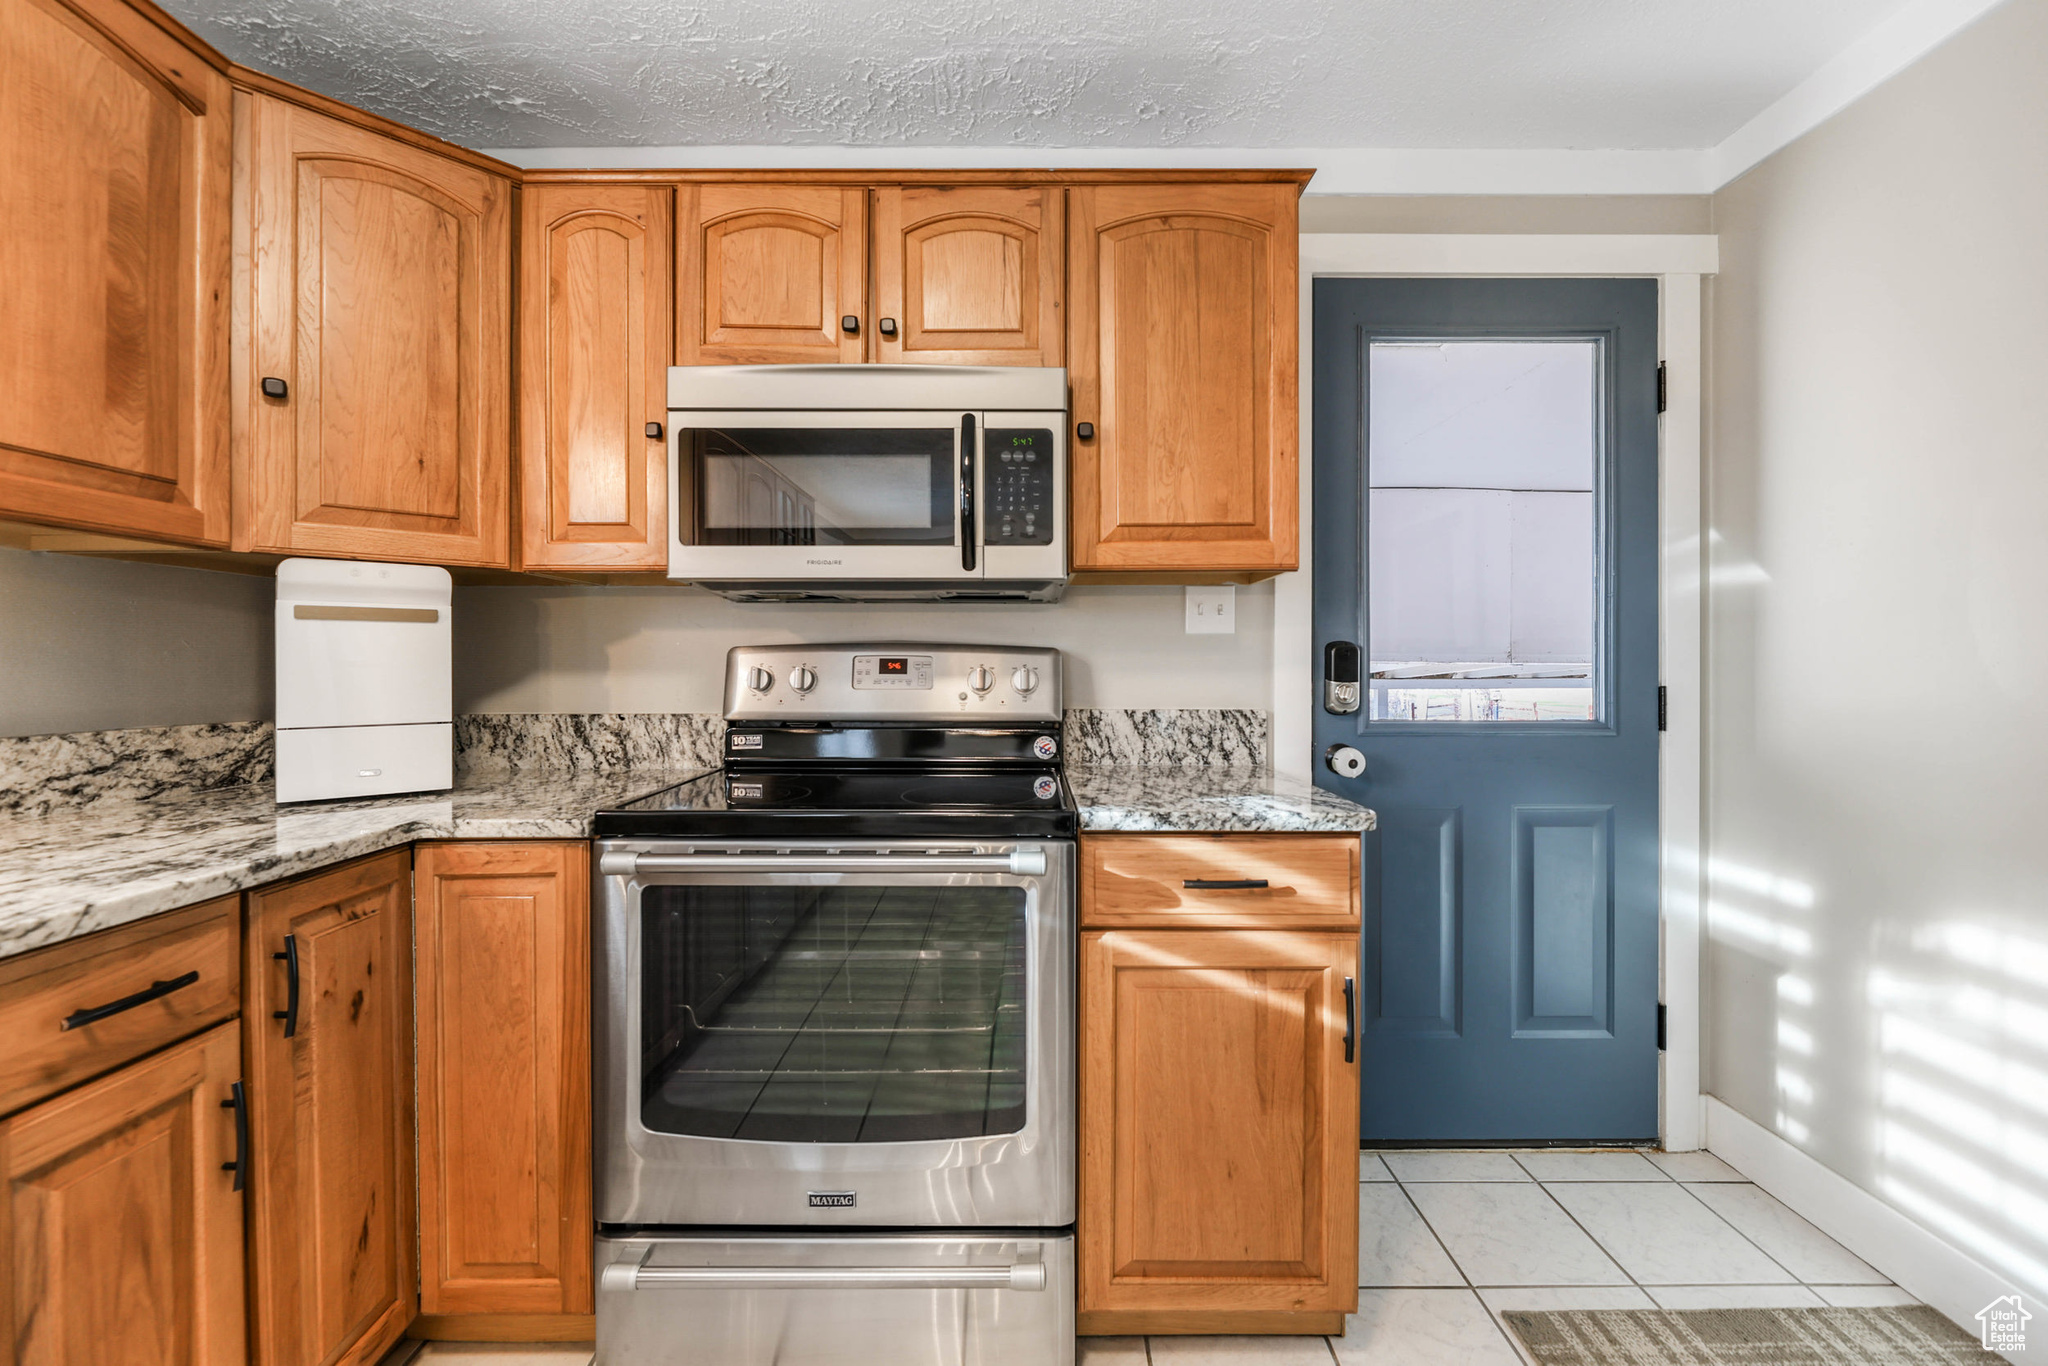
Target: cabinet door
[(120, 1227), (769, 274), (330, 1086), (1219, 1128), (969, 275), (114, 252), (504, 1052), (1183, 359), (381, 292)]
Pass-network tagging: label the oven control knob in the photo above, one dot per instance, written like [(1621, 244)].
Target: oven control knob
[(802, 679), (759, 679), (981, 678), (1024, 679)]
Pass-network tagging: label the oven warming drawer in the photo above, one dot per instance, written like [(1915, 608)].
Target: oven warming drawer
[(737, 1300)]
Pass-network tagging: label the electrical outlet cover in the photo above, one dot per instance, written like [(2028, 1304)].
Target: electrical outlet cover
[(1212, 611)]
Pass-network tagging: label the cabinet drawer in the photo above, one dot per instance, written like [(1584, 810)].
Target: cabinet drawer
[(40, 991), (1252, 881)]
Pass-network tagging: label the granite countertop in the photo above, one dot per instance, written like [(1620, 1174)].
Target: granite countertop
[(1199, 799), (93, 867)]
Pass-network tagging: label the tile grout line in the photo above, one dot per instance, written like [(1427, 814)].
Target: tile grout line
[(1499, 1324), (1796, 1280)]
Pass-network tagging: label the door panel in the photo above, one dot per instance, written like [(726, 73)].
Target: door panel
[(594, 351), (1218, 1166), (381, 295), (1183, 360), (331, 1116), (504, 1009), (1492, 541), (767, 273), (121, 1232), (114, 247), (969, 275)]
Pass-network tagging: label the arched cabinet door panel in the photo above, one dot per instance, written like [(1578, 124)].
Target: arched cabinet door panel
[(594, 352), (114, 246), (1183, 361), (381, 297), (969, 275), (771, 273)]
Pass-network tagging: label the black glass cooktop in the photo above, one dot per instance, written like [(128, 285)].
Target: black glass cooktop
[(879, 802)]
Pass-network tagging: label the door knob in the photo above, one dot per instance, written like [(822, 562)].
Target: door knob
[(1344, 761)]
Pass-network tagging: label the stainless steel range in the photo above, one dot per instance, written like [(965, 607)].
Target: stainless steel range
[(835, 1045)]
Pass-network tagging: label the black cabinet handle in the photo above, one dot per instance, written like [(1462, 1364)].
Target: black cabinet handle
[(850, 324), (1085, 430), (290, 1013), (240, 1166), (273, 387), (1350, 1020), (1227, 884), (654, 431), (155, 991), (967, 492), (887, 327)]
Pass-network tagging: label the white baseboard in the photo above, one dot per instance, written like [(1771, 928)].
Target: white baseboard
[(1921, 1263)]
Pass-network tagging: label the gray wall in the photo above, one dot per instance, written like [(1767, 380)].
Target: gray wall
[(102, 645), (1877, 973)]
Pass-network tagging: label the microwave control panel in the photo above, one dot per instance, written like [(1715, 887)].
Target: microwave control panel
[(1019, 486)]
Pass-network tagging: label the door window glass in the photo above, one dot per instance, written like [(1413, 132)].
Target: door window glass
[(823, 485), (1482, 571), (833, 1014)]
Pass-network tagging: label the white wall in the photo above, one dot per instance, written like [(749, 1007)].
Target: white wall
[(103, 645), (663, 649), (1877, 788)]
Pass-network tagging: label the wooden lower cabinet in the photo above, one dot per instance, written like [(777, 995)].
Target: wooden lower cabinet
[(328, 1019), (504, 1085), (120, 1230), (1219, 1132)]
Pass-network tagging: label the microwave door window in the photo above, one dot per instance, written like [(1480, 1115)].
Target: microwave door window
[(859, 486)]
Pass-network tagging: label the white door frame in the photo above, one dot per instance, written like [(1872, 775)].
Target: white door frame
[(1677, 262)]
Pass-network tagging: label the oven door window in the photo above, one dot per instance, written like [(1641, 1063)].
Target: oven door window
[(833, 1014), (852, 486)]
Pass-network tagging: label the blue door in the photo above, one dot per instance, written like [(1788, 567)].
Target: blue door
[(1485, 513)]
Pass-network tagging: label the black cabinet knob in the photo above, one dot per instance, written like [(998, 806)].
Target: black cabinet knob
[(273, 387), (850, 324), (654, 431), (1085, 430), (887, 327)]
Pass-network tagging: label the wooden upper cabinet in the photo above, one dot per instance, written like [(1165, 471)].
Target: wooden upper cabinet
[(1183, 353), (380, 293), (120, 1232), (969, 275), (504, 1064), (114, 175), (770, 272), (594, 351), (327, 986)]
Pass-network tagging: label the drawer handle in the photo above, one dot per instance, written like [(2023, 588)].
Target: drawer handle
[(1225, 884), (155, 991), (290, 1013), (240, 1105)]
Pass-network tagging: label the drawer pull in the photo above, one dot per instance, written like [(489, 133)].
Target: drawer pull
[(290, 1013), (240, 1105), (1227, 884), (1350, 1020), (155, 991)]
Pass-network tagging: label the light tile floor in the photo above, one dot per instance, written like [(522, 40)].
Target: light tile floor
[(1448, 1241)]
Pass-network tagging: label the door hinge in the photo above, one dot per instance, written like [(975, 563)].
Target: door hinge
[(1660, 1026), (1663, 386), (1663, 707)]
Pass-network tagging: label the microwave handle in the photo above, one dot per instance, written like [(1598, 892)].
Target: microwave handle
[(967, 529)]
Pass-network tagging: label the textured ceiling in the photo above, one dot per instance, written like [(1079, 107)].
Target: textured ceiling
[(1055, 73)]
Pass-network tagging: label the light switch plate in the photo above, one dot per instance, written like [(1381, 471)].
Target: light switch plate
[(1212, 611)]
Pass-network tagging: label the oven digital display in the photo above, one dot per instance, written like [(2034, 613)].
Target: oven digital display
[(898, 665)]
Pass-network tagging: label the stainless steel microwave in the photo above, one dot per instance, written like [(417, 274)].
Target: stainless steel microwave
[(868, 483)]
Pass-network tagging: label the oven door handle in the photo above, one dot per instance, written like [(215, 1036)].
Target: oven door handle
[(634, 1276), (1021, 862)]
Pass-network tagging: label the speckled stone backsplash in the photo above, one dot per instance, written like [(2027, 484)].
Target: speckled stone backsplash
[(1192, 738), (597, 742), (43, 773)]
